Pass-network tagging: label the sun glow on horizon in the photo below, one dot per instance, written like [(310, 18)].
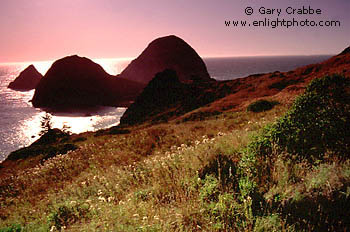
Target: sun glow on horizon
[(112, 66)]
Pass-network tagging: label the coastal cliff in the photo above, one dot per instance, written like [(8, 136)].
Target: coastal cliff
[(217, 96)]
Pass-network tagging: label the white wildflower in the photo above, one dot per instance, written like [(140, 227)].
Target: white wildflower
[(73, 202)]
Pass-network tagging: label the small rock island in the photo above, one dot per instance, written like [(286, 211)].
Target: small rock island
[(27, 79)]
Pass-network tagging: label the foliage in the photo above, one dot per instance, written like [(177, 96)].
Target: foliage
[(12, 228), (210, 175), (261, 105), (66, 129), (318, 120), (45, 124), (283, 84), (223, 168), (67, 214), (118, 131), (47, 151), (325, 193), (200, 116)]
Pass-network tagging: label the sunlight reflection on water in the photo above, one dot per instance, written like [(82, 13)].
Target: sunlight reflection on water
[(20, 122)]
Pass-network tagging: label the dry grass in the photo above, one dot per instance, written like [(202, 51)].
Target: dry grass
[(149, 180)]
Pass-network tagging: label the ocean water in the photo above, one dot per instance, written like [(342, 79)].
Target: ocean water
[(235, 67), (20, 122)]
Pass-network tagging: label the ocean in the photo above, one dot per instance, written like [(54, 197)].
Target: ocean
[(20, 122)]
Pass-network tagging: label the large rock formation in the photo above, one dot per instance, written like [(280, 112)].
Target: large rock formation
[(27, 79), (166, 96), (160, 93), (74, 82), (168, 52)]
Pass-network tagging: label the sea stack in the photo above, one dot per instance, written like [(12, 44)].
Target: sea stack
[(27, 79), (77, 82), (168, 52)]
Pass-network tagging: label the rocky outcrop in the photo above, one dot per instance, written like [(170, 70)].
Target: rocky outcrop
[(27, 79), (160, 93), (168, 52), (74, 82), (346, 51), (166, 96), (231, 95)]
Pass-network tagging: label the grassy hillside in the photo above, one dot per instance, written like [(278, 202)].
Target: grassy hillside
[(228, 171)]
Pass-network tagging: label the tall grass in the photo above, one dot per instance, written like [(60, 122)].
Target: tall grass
[(221, 173), (112, 169)]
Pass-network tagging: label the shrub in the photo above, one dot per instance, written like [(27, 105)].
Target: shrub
[(200, 116), (79, 139), (271, 222), (12, 228), (319, 212), (222, 168), (67, 214), (318, 120), (210, 189), (261, 105), (118, 131), (283, 84), (47, 151), (45, 124)]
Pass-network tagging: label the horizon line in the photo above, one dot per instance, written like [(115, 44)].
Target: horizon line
[(132, 58)]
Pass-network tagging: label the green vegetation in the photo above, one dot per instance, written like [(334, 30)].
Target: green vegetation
[(316, 125), (261, 105), (45, 124), (53, 142), (318, 121), (235, 171), (280, 85)]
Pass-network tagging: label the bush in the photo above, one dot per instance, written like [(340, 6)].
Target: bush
[(222, 168), (45, 124), (67, 214), (319, 212), (283, 84), (316, 123), (79, 139), (12, 228), (318, 120), (118, 131), (261, 105), (47, 151)]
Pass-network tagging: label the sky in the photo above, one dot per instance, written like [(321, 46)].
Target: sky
[(39, 30)]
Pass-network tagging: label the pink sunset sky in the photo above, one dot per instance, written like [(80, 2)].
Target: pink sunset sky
[(36, 30)]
